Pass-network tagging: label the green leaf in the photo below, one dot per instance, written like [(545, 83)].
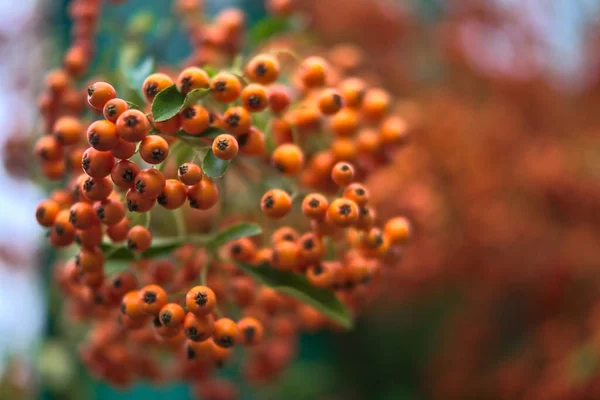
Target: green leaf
[(133, 105), (195, 95), (237, 64), (210, 70), (234, 232), (184, 154), (298, 287), (268, 27), (167, 103), (212, 166), (136, 75), (160, 247), (210, 132)]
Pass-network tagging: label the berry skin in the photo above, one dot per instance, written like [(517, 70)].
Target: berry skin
[(344, 149), (194, 119), (110, 211), (192, 78), (342, 174), (225, 147), (114, 108), (97, 164), (172, 315), (368, 141), (330, 102), (251, 331), (154, 84), (276, 203), (344, 123), (286, 255), (67, 130), (62, 232), (342, 212), (311, 248), (82, 215), (313, 72), (90, 261), (123, 150), (242, 250), (198, 351), (254, 98), (173, 195), (152, 299), (137, 202), (46, 212), (225, 87), (189, 173), (252, 143), (397, 230), (263, 69), (130, 305), (118, 232), (97, 189), (139, 239), (320, 275), (133, 126), (89, 238), (226, 333), (170, 126), (288, 159), (102, 135), (198, 328), (200, 300), (53, 170), (48, 149), (154, 149), (357, 193), (204, 195), (236, 120), (366, 218), (99, 94), (375, 104), (278, 98), (285, 233), (393, 130), (123, 174), (149, 182), (353, 91)]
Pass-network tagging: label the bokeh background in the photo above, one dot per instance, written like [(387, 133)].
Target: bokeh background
[(497, 297)]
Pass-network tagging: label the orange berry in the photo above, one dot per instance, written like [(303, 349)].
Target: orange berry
[(343, 149), (139, 239), (118, 232), (366, 218), (342, 212), (342, 173), (203, 195), (285, 233), (251, 331), (46, 212), (96, 188), (97, 164), (344, 123), (99, 94), (254, 97), (252, 143), (393, 130), (353, 91), (48, 149), (242, 250), (357, 193), (114, 108), (152, 299), (110, 211), (288, 159), (123, 150), (398, 230), (311, 248), (194, 119), (154, 149), (225, 87), (226, 333), (278, 98), (286, 255), (149, 182), (225, 147), (276, 203), (198, 328), (137, 202), (263, 69), (133, 126), (189, 173), (62, 232), (375, 104), (237, 120), (192, 78), (89, 238), (130, 305), (123, 173), (313, 72), (82, 215), (173, 195), (320, 275), (315, 206), (170, 126), (330, 102), (67, 130), (154, 84), (200, 300), (102, 135)]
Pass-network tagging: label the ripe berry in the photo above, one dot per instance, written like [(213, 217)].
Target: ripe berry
[(138, 202), (170, 126), (47, 148), (189, 173), (192, 78), (46, 212), (194, 119), (110, 211), (203, 195), (62, 232), (285, 233), (313, 72), (357, 193), (252, 143), (198, 351), (130, 305), (393, 130), (242, 250), (114, 108), (99, 94), (251, 331), (173, 195), (342, 174), (89, 238), (278, 98), (375, 104), (288, 159), (102, 135), (320, 275), (149, 182), (133, 126), (118, 232), (154, 84), (123, 173), (398, 230), (97, 189), (90, 260), (139, 239), (67, 130), (225, 147), (154, 149), (123, 150), (225, 87), (263, 69), (237, 120), (342, 212), (366, 218), (198, 328), (344, 123), (330, 102), (254, 98), (172, 315), (286, 255), (311, 248), (152, 299), (276, 203), (226, 333), (97, 164), (200, 300), (82, 215), (353, 91)]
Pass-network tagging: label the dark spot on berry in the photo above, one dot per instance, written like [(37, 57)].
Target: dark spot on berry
[(243, 139), (193, 203), (345, 209), (186, 83), (366, 279), (220, 86), (88, 185), (151, 89), (189, 112), (254, 101), (222, 144), (378, 241), (98, 299), (192, 333), (149, 297), (249, 333), (90, 90), (166, 317), (132, 205), (359, 191), (77, 260), (183, 169), (364, 211), (211, 117), (201, 298), (308, 244), (131, 121), (337, 100), (318, 269), (279, 167), (140, 186), (131, 245), (236, 249), (162, 199), (44, 154), (233, 120), (117, 282), (156, 322), (314, 203), (94, 138), (85, 163), (260, 69), (78, 239), (59, 229), (225, 341), (100, 213), (73, 217), (39, 214), (190, 353), (345, 167), (157, 154), (111, 110), (128, 175), (123, 307), (288, 237), (269, 202)]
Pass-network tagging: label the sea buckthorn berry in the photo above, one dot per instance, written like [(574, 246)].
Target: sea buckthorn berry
[(225, 147), (225, 87), (320, 275), (123, 150), (170, 126), (62, 232), (97, 164), (133, 126), (139, 239), (46, 212), (99, 94), (194, 119), (313, 72), (154, 84), (114, 108), (344, 123), (254, 98), (242, 250), (152, 299), (311, 248), (237, 120), (137, 202), (123, 174), (353, 91), (102, 135), (172, 315), (357, 193), (118, 232), (198, 351), (130, 305), (47, 148), (342, 174), (189, 173), (393, 130), (251, 331), (226, 333), (330, 102), (366, 218), (97, 189), (204, 195), (82, 215), (375, 104), (149, 182), (90, 260), (263, 69), (67, 130), (344, 149), (192, 78), (288, 159), (276, 203), (110, 211), (278, 98), (286, 255), (154, 149), (90, 237), (173, 195), (252, 143), (200, 300), (343, 212), (398, 230), (285, 233), (198, 328)]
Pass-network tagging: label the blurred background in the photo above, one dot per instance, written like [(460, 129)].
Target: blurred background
[(497, 296)]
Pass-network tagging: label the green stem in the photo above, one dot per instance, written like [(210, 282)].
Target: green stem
[(204, 274), (179, 222)]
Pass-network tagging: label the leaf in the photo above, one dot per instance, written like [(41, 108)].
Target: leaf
[(136, 75), (133, 105), (268, 27), (237, 64), (160, 247), (184, 154), (195, 95), (167, 103), (234, 232), (298, 287), (210, 70), (212, 166), (210, 132)]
